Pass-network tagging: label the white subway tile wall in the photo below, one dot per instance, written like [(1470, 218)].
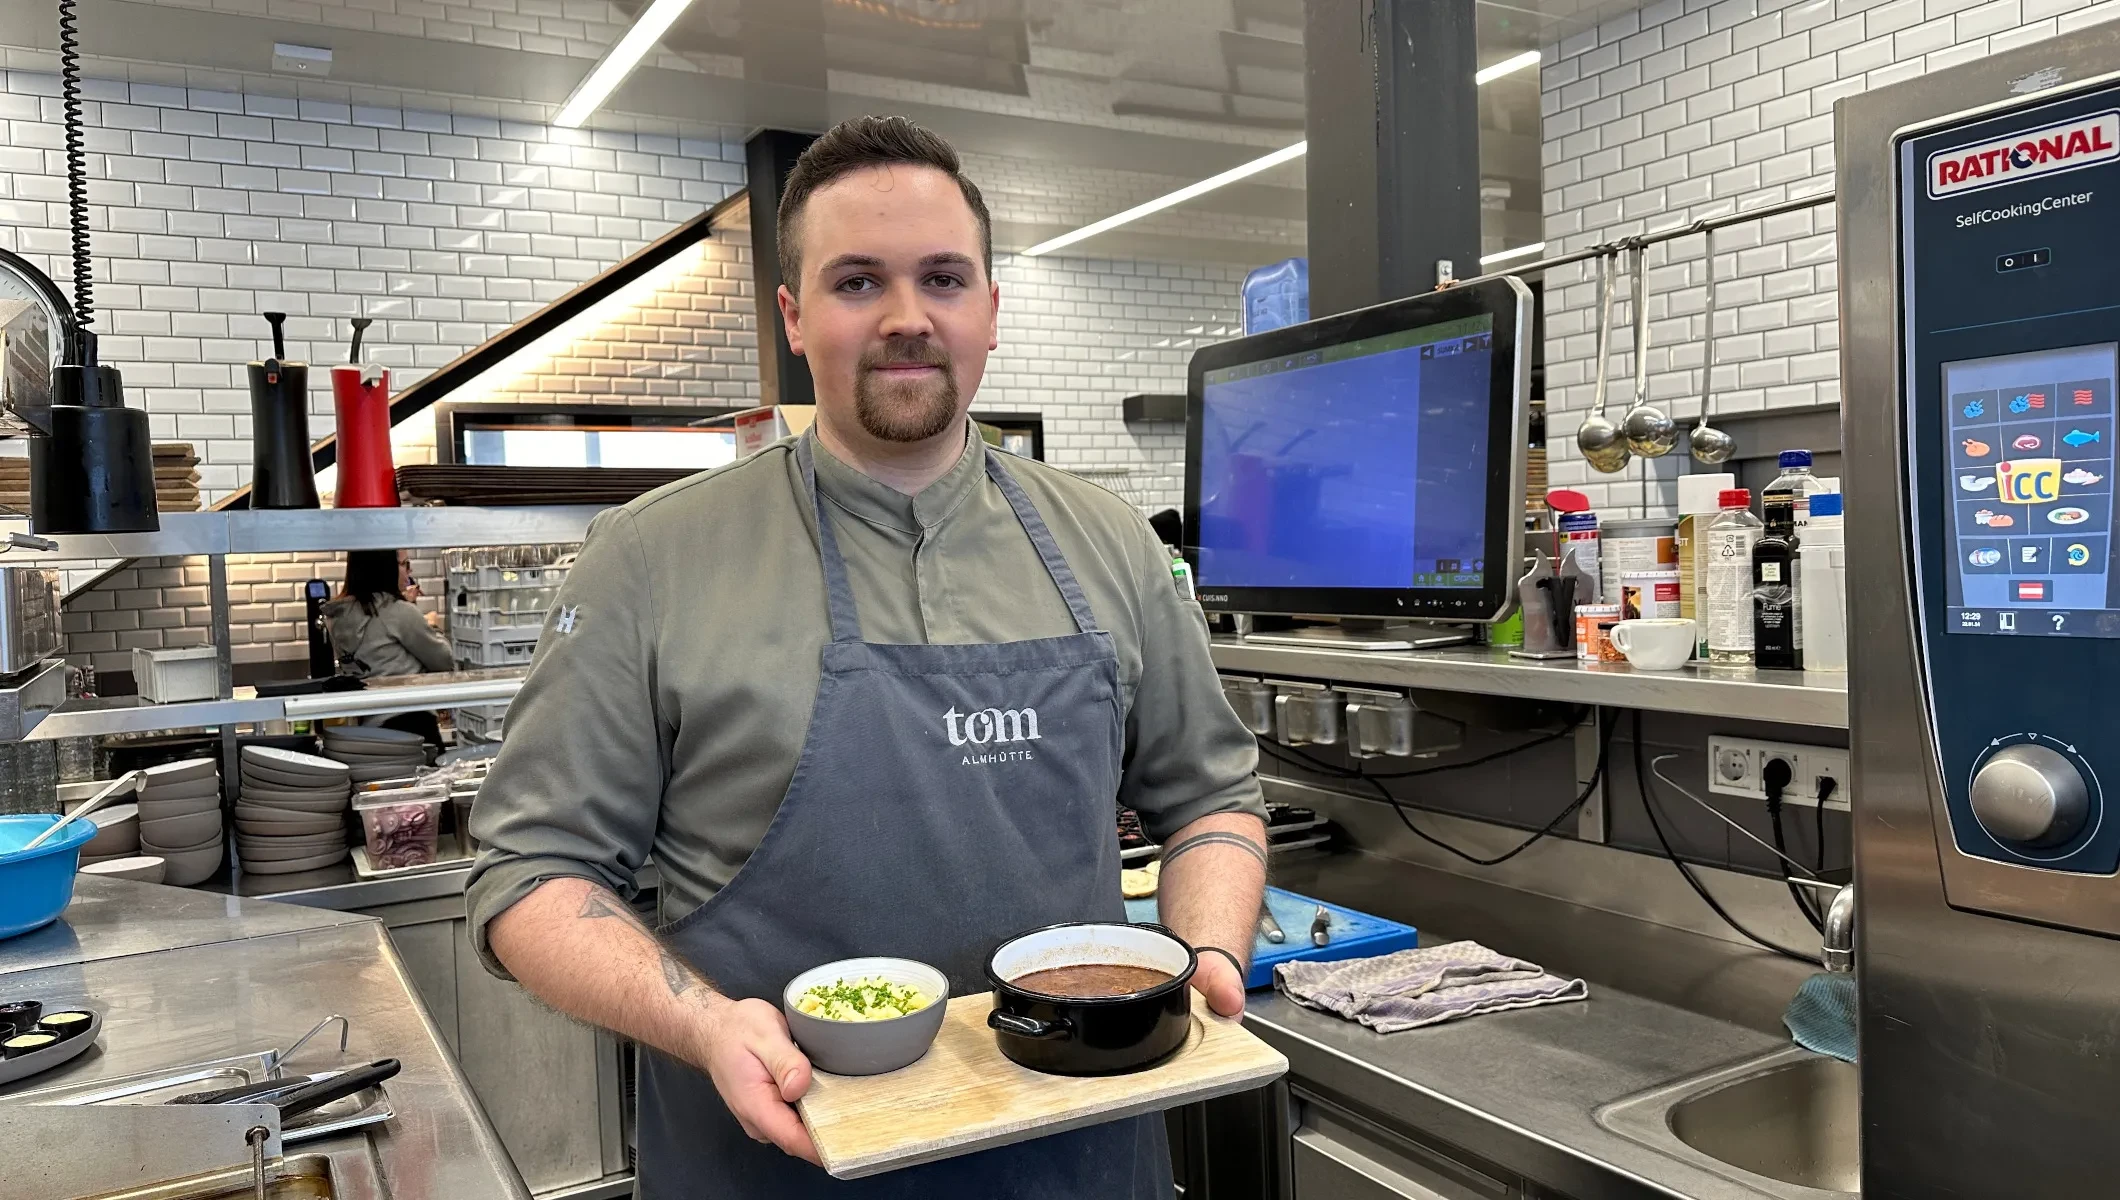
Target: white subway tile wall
[(211, 206), (1686, 109)]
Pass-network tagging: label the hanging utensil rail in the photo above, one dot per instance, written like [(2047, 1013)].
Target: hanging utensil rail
[(1650, 239)]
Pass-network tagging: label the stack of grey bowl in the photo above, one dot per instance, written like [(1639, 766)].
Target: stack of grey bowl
[(373, 752), (180, 819), (291, 811)]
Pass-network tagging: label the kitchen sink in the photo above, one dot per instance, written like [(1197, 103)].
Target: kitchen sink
[(1787, 1124)]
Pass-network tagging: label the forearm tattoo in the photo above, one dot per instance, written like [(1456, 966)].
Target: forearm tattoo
[(677, 976), (1213, 837)]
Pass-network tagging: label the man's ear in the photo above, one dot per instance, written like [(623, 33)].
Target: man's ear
[(993, 329), (791, 317)]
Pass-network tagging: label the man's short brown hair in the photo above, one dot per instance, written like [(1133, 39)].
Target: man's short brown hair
[(853, 145)]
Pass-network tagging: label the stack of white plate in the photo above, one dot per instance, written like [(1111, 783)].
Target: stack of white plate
[(180, 819), (373, 752), (291, 811)]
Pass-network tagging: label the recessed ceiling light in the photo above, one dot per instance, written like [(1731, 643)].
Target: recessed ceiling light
[(618, 62), (1513, 252), (1508, 66)]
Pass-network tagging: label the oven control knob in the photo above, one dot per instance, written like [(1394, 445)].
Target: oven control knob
[(2030, 796)]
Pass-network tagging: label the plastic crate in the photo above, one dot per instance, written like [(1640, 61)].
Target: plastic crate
[(482, 723), (487, 624), (479, 651), (506, 577), (527, 600)]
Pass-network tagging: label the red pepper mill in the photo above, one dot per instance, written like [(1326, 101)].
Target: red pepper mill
[(360, 393)]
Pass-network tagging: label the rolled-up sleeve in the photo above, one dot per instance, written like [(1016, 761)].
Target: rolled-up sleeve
[(1187, 754), (578, 785)]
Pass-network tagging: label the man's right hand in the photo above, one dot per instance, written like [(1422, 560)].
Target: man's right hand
[(758, 1071)]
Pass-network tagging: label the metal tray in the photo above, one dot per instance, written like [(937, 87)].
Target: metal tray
[(12, 1069), (370, 1106), (364, 869)]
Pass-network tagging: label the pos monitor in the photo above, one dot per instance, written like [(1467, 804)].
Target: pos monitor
[(1366, 465)]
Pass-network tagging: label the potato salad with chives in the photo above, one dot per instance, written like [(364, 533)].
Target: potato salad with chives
[(874, 999)]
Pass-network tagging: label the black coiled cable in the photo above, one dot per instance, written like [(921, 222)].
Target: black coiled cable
[(76, 164)]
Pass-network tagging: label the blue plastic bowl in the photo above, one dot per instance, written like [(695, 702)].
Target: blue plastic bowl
[(36, 885)]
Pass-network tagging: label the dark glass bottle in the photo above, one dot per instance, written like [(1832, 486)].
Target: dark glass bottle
[(1776, 640)]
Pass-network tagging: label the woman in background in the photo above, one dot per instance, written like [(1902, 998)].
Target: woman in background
[(377, 630)]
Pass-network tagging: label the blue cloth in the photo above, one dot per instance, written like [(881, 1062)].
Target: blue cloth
[(1822, 1016)]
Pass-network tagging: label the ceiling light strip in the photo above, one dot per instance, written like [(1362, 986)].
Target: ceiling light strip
[(619, 61), (1529, 58), (1508, 66), (1286, 154), (1488, 260)]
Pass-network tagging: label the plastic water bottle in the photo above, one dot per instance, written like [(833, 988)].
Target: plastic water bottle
[(1730, 541), (1797, 482), (1824, 580), (1277, 295)]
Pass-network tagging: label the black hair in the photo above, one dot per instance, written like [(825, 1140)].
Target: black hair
[(371, 574), (860, 142)]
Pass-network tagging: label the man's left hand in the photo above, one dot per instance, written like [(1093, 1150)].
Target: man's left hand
[(1217, 979)]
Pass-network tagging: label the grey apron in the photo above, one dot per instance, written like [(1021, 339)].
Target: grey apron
[(946, 798)]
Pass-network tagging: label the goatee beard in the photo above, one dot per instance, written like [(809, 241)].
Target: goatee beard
[(905, 410)]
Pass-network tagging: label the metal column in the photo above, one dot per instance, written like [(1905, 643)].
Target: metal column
[(782, 375), (1394, 163)]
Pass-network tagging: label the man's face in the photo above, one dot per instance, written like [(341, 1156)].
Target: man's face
[(896, 314)]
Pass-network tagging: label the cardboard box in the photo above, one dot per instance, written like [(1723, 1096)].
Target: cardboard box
[(757, 428)]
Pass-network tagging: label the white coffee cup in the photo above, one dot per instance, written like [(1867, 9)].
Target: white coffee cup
[(1655, 643)]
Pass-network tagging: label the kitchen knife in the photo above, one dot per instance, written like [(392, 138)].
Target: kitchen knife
[(1269, 927), (1321, 928)]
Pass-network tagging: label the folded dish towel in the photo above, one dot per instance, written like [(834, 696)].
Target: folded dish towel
[(1428, 986)]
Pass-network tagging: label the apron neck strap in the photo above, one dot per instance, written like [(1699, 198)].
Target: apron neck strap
[(839, 592), (1042, 539)]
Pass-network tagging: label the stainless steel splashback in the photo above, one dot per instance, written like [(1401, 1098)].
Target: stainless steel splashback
[(1990, 1045), (29, 617)]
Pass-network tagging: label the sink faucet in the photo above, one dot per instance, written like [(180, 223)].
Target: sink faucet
[(1838, 948)]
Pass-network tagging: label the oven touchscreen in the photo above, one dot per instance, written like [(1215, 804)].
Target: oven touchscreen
[(2031, 482)]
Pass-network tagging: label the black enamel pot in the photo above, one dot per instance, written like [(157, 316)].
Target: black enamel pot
[(1091, 1035)]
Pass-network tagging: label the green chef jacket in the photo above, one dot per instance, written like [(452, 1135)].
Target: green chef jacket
[(672, 687)]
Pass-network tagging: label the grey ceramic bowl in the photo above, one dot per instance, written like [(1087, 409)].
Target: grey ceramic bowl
[(867, 1047)]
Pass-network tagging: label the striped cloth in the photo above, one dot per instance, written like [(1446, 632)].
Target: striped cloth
[(1412, 988)]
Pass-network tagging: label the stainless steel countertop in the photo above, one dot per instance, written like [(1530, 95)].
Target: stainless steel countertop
[(185, 976), (1816, 698), (1520, 1087)]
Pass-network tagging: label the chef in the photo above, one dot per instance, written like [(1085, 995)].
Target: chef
[(875, 690)]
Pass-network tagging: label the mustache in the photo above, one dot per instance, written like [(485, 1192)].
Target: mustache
[(905, 352)]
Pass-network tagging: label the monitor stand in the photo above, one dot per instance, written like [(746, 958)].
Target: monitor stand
[(1373, 635)]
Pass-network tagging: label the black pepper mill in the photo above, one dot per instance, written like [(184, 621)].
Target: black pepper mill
[(281, 473)]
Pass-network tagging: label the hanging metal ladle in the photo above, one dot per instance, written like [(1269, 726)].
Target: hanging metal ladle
[(1709, 444), (1598, 438), (1649, 430)]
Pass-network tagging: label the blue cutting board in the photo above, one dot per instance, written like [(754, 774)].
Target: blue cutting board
[(1354, 934)]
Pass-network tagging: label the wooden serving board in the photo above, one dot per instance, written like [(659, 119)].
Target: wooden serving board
[(964, 1096)]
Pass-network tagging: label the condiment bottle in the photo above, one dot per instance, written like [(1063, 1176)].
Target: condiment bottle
[(1823, 587), (1777, 639), (1697, 506), (1730, 540), (1795, 479)]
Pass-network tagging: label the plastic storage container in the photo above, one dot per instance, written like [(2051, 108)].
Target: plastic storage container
[(401, 821), (1277, 295), (175, 676)]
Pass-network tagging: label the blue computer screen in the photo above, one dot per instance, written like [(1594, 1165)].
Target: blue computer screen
[(1361, 465)]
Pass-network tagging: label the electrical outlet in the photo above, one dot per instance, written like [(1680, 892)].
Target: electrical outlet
[(1737, 767)]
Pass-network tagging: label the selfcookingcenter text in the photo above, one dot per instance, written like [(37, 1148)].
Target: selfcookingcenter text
[(2031, 208)]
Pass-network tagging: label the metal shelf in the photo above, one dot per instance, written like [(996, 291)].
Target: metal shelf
[(130, 714), (258, 531), (1814, 698)]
